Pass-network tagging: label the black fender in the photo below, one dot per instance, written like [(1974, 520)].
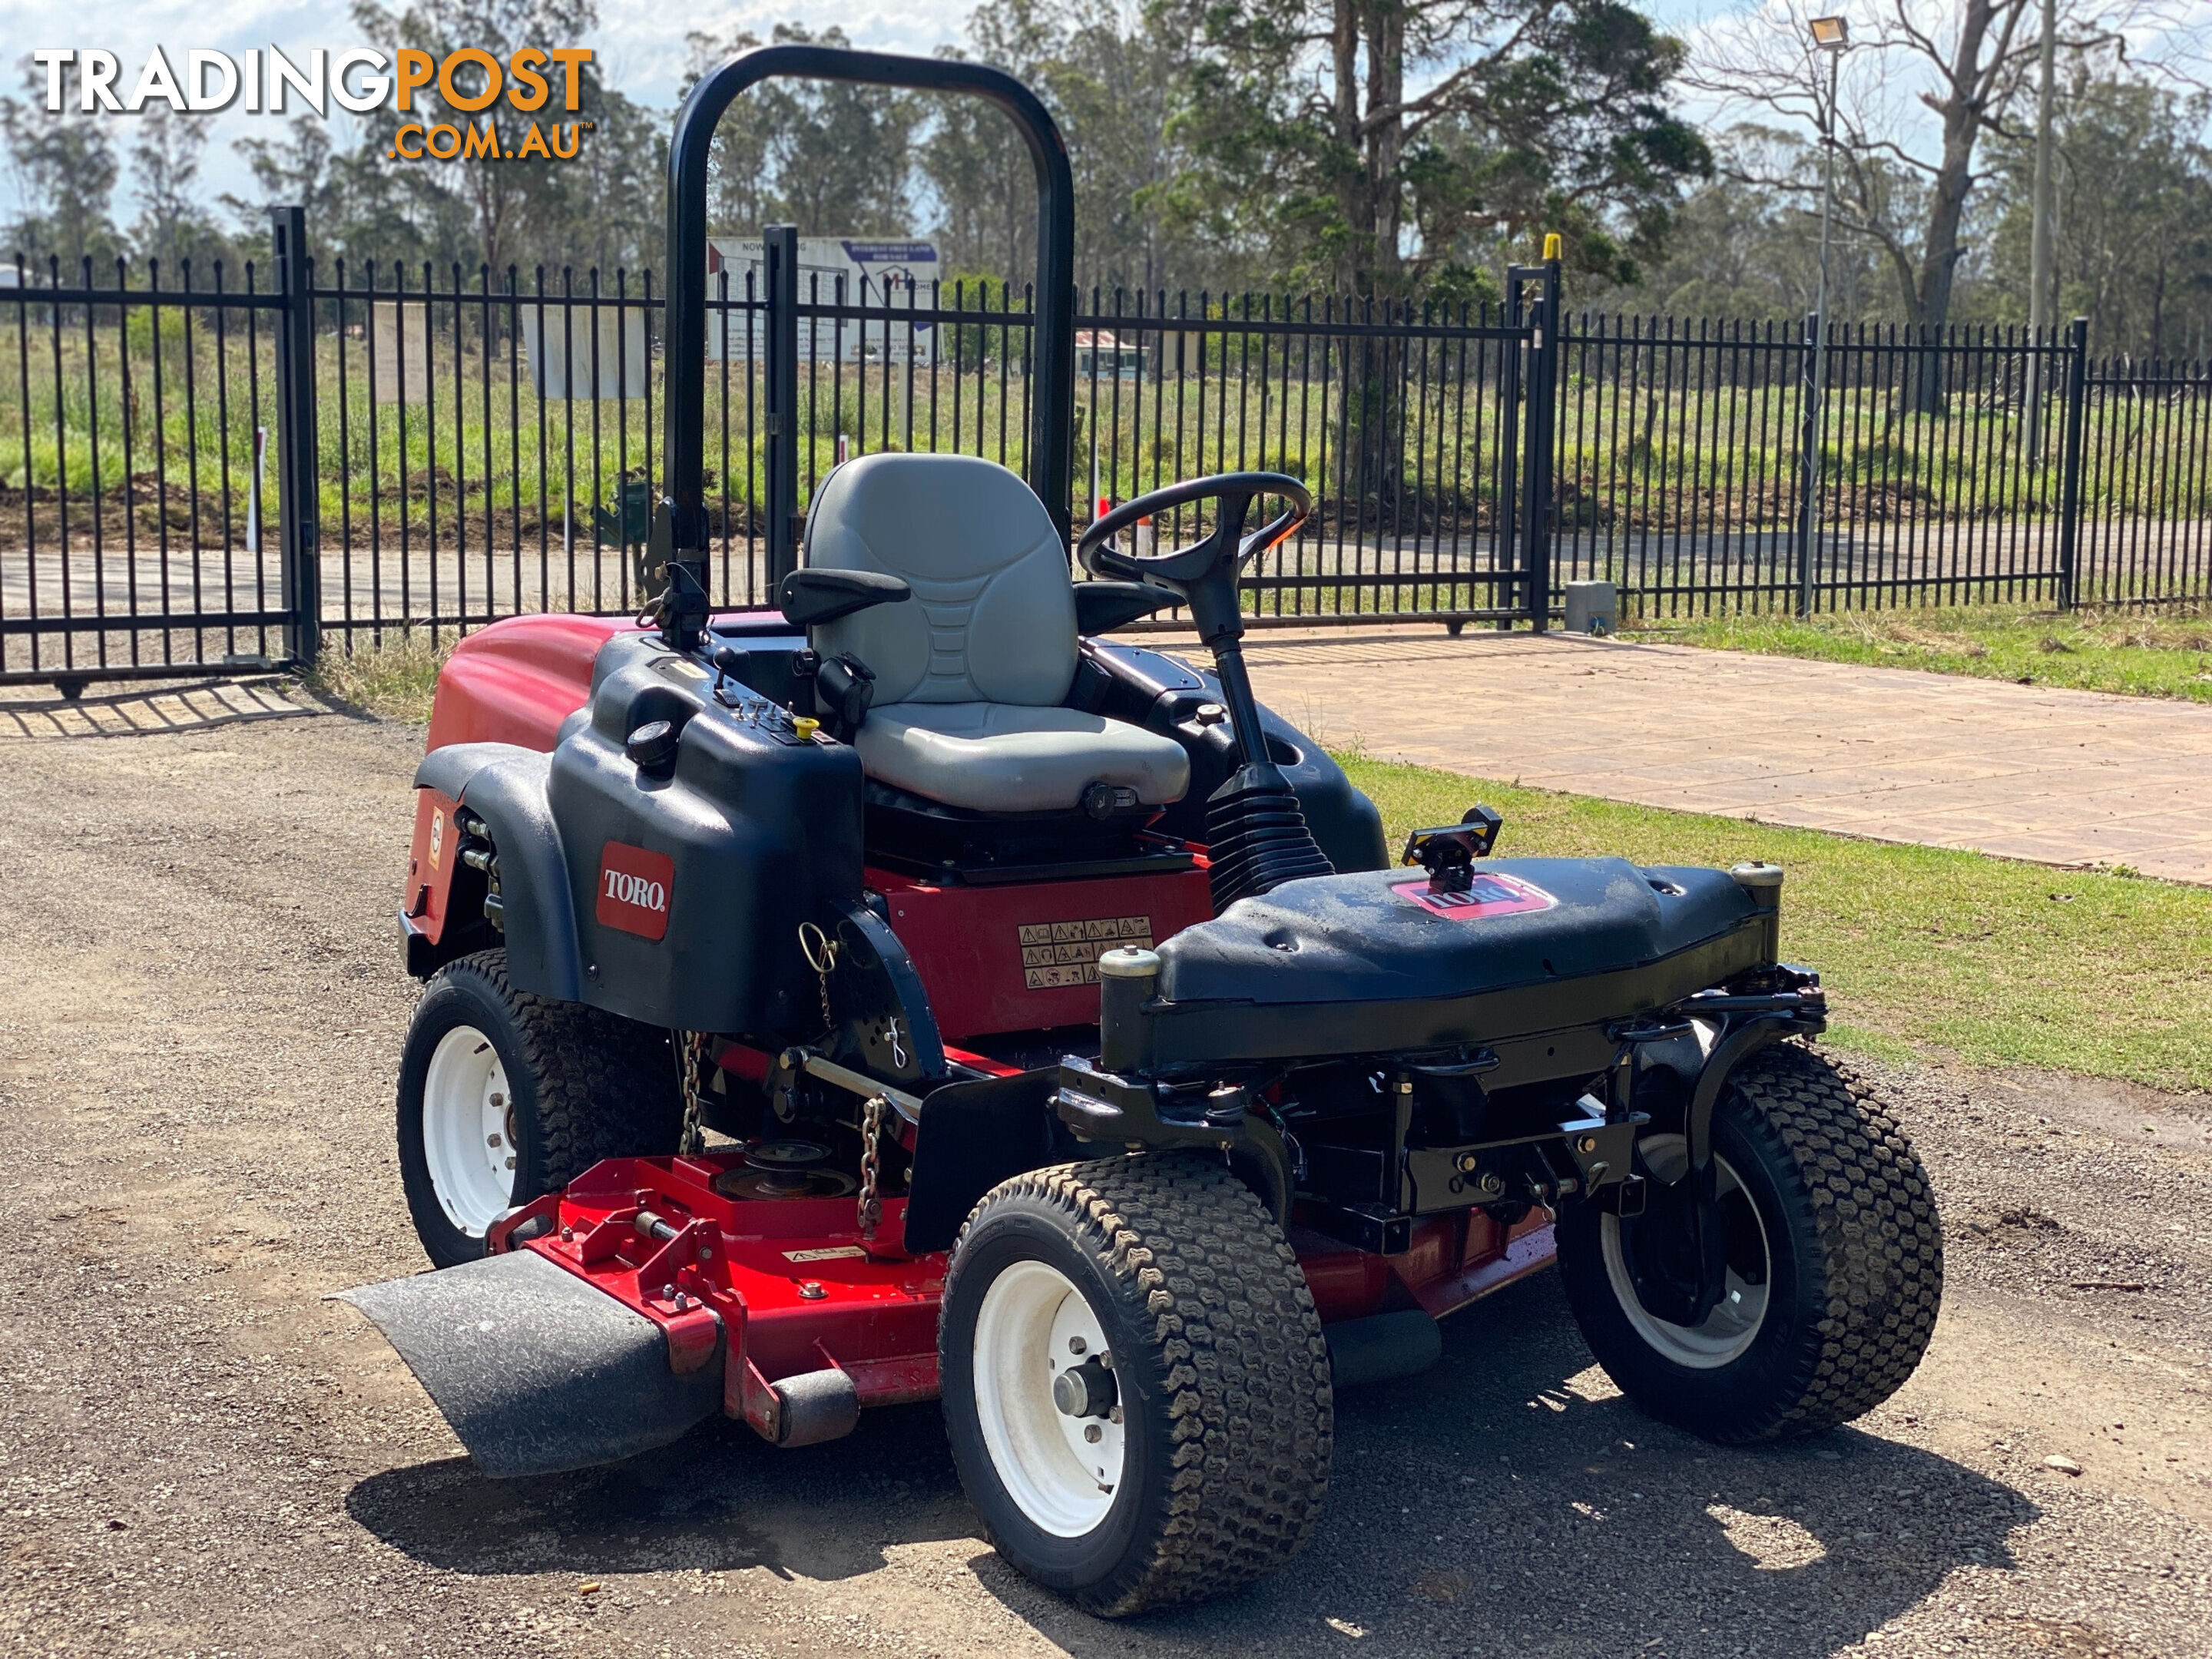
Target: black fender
[(972, 1135), (505, 786)]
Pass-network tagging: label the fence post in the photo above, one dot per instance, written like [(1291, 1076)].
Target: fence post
[(1508, 544), (300, 532), (779, 278), (1808, 456), (2069, 488), (1537, 513)]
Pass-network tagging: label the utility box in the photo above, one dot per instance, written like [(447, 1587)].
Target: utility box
[(1592, 608)]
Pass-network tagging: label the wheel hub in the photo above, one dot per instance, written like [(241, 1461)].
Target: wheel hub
[(1085, 1390), (1045, 1399)]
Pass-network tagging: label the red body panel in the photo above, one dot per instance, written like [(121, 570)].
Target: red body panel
[(1455, 1260), (517, 680), (1025, 957), (430, 863)]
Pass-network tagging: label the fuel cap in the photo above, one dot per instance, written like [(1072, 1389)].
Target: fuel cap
[(651, 747)]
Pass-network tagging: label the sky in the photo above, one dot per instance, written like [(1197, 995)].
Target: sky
[(639, 42)]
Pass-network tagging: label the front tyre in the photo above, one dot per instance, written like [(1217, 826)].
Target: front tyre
[(504, 1096), (1834, 1263), (1136, 1385)]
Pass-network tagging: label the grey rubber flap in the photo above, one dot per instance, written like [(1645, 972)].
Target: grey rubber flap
[(537, 1370)]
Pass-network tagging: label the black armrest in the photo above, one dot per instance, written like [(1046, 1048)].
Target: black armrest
[(811, 596), (1101, 607)]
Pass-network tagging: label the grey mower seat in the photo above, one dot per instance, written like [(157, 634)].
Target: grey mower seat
[(972, 672)]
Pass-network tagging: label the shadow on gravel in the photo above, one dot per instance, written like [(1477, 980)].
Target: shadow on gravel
[(1493, 1507), (1506, 1503), (719, 1500), (138, 711)]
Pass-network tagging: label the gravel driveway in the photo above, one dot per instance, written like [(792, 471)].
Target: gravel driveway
[(200, 1009)]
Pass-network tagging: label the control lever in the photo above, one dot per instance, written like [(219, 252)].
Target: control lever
[(730, 664)]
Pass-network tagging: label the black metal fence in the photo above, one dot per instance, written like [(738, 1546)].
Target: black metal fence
[(200, 470)]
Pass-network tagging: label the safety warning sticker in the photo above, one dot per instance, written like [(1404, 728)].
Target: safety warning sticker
[(1057, 953), (1489, 893)]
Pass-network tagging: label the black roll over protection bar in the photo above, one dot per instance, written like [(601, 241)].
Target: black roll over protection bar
[(679, 518)]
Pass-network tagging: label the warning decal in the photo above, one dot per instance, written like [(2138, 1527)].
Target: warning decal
[(1057, 953), (1490, 894)]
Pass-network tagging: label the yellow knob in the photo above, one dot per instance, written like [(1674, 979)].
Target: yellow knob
[(806, 726)]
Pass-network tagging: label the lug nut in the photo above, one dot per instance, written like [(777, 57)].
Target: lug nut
[(1076, 1345), (1093, 1433)]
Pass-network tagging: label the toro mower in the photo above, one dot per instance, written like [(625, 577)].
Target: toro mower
[(910, 991)]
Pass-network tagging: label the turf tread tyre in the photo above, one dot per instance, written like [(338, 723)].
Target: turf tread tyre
[(601, 1086), (606, 1085), (1244, 1368), (1856, 1200)]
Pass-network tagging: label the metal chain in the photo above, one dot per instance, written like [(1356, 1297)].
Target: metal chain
[(821, 952), (692, 1057), (871, 1164)]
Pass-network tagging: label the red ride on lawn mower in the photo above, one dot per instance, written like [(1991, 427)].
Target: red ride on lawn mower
[(1069, 1046)]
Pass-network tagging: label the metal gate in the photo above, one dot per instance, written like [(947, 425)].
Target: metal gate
[(151, 426), (222, 474)]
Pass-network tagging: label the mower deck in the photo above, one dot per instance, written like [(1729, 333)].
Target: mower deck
[(750, 1295)]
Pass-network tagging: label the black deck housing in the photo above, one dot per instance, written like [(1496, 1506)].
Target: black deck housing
[(1359, 964)]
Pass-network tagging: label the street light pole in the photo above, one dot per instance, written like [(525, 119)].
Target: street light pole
[(1830, 35)]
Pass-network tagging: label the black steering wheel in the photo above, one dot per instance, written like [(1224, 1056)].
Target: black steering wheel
[(1204, 574)]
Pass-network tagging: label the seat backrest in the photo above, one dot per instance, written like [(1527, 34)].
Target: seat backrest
[(992, 615)]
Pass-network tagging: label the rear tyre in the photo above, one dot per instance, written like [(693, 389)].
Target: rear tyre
[(504, 1096), (1136, 1385), (1835, 1263)]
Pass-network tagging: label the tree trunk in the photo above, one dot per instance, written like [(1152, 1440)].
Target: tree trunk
[(1961, 109), (1386, 141), (1353, 200), (1372, 197)]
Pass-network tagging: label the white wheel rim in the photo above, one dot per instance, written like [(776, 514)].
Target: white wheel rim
[(468, 1130), (1027, 1332), (1732, 1326)]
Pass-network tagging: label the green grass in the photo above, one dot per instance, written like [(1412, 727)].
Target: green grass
[(1926, 953), (2167, 654)]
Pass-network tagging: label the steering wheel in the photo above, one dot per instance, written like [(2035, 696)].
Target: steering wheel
[(1204, 574)]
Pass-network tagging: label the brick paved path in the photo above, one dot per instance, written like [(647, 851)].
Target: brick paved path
[(2063, 777)]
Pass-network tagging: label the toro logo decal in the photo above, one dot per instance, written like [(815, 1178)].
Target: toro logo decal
[(635, 890)]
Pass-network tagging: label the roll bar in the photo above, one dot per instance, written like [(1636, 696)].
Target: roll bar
[(679, 535)]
